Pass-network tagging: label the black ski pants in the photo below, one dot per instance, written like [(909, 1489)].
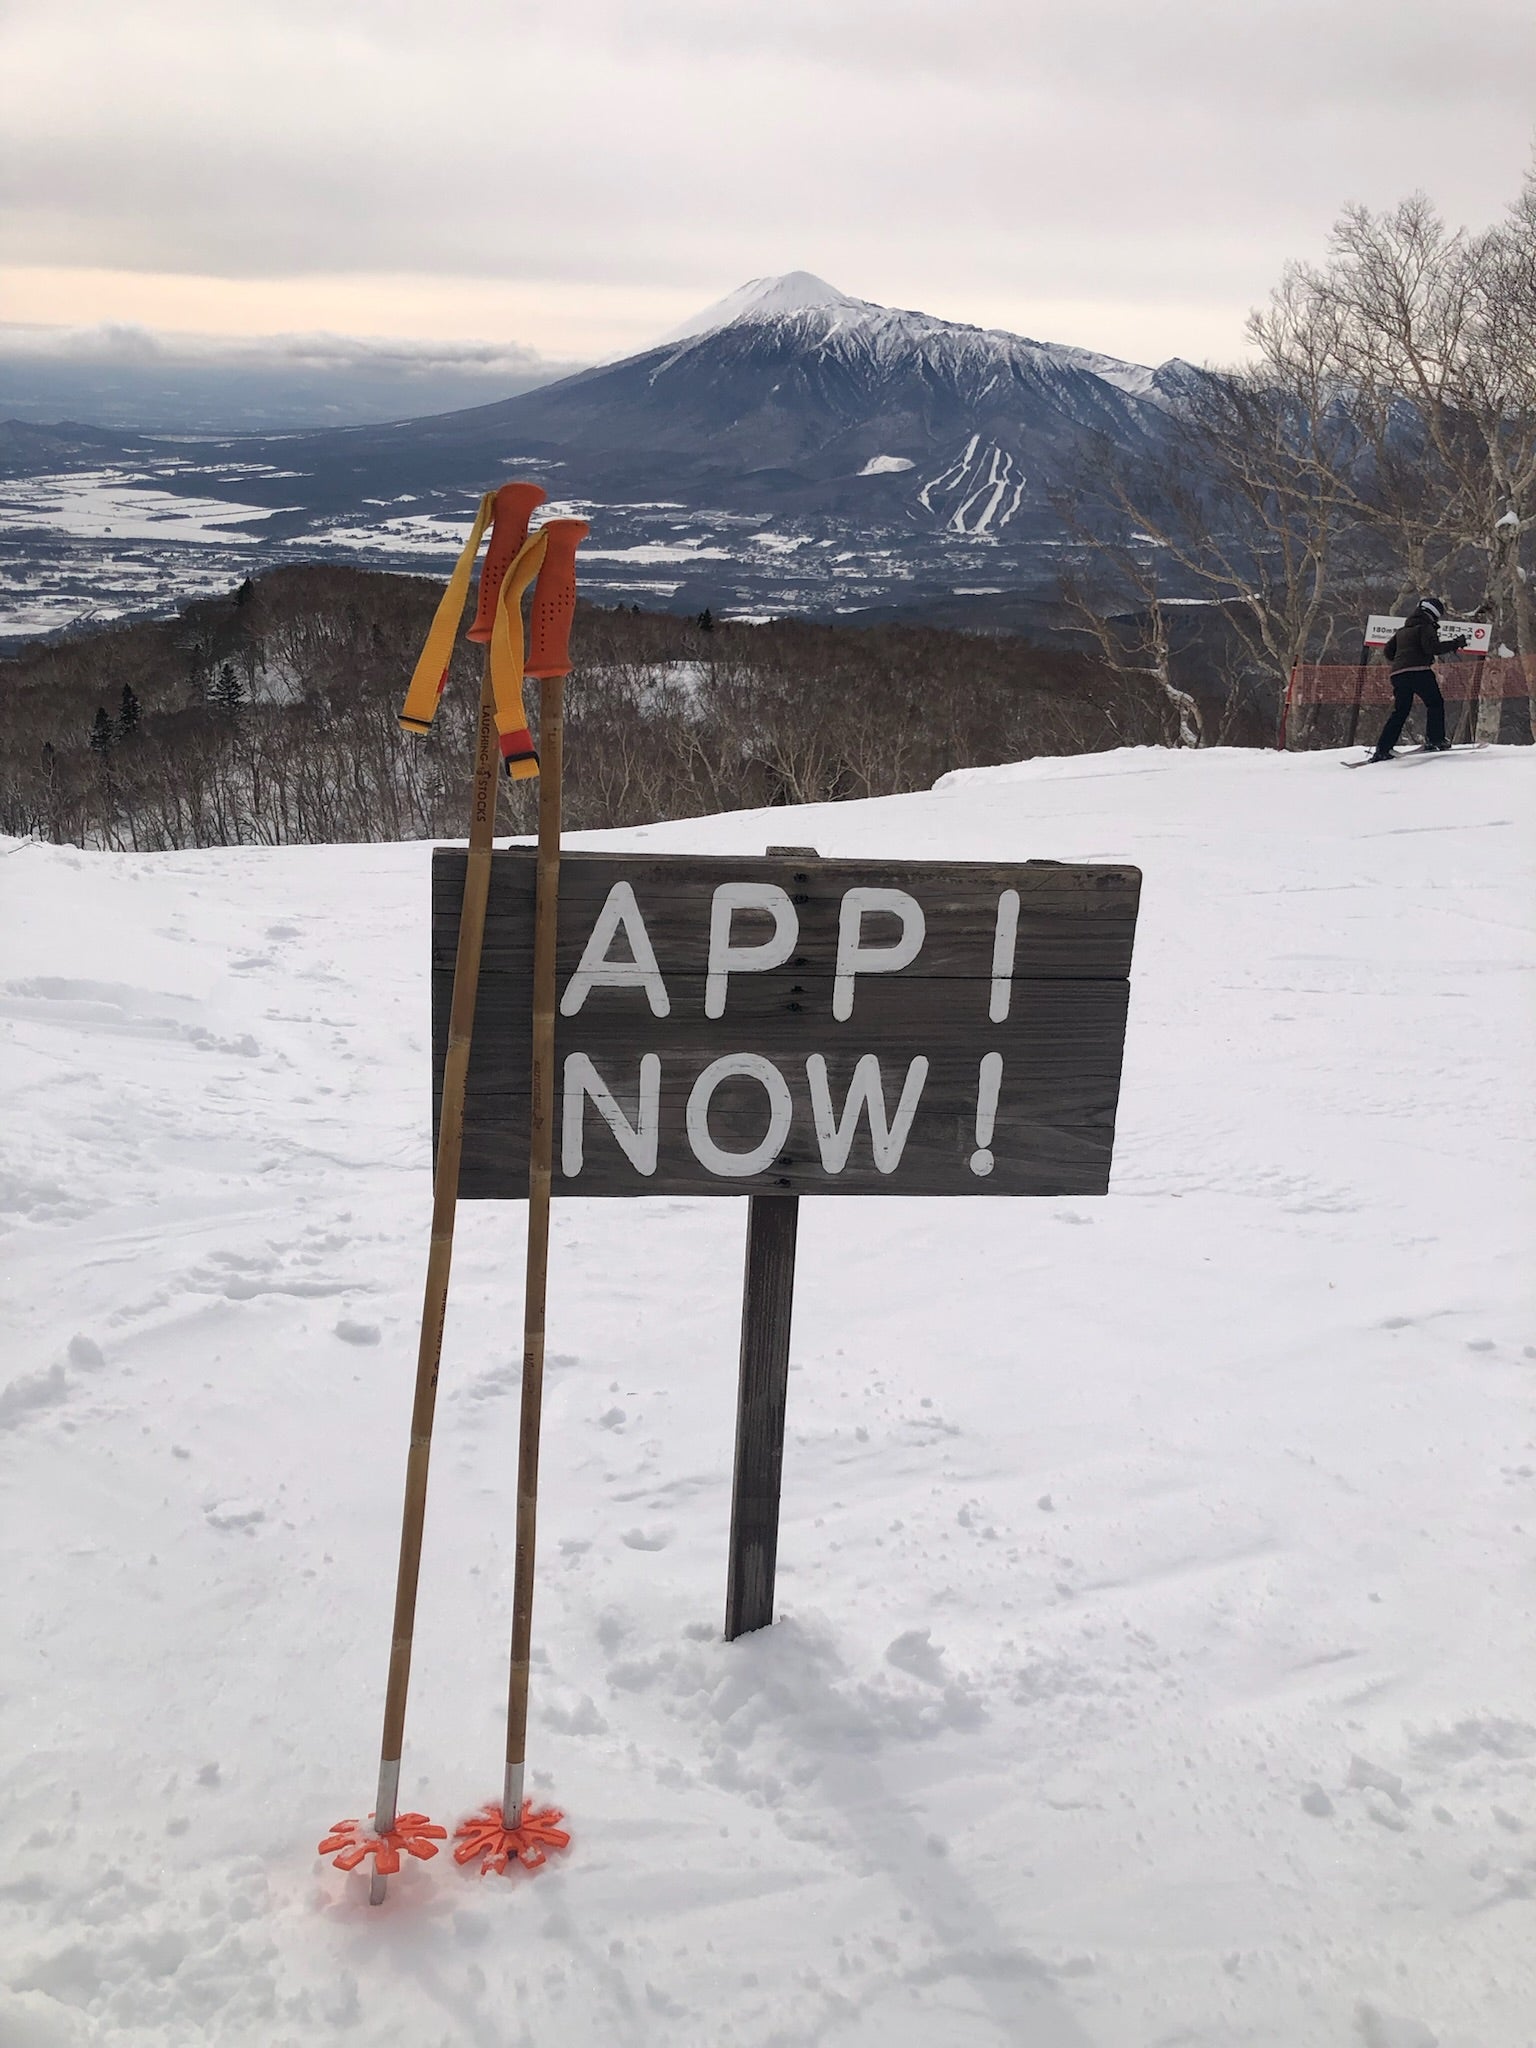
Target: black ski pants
[(1407, 684)]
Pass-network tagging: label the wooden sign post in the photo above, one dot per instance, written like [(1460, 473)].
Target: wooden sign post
[(787, 1025), (762, 1396)]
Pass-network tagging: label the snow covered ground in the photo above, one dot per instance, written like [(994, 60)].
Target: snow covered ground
[(1155, 1661), (100, 504)]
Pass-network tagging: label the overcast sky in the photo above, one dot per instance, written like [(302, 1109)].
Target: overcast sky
[(1125, 174)]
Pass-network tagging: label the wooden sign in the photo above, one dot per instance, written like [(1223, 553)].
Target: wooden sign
[(742, 1026)]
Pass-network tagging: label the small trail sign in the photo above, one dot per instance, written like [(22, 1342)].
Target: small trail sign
[(788, 1026), (1477, 633)]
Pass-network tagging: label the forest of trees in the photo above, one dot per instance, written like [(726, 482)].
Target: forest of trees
[(270, 717)]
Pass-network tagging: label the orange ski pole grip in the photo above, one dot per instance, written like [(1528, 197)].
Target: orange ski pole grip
[(554, 600), (513, 508), (431, 674)]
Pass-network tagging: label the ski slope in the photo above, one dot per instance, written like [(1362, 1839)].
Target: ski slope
[(1155, 1661)]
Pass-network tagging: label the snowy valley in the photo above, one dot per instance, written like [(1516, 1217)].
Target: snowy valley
[(794, 449)]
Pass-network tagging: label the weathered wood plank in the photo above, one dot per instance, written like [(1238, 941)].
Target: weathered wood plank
[(1073, 1082), (1078, 920), (1070, 1087), (1028, 1159)]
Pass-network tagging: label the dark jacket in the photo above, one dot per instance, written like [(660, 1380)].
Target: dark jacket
[(1416, 644)]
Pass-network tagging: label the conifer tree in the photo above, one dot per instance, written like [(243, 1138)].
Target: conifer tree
[(226, 692), (101, 731), (128, 714)]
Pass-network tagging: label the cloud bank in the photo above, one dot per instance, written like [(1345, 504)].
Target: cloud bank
[(595, 174), (122, 344), (122, 374)]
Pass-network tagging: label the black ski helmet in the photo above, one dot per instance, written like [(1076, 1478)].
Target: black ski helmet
[(1433, 606)]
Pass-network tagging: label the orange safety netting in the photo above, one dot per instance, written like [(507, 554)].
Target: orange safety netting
[(1325, 701), (1461, 682)]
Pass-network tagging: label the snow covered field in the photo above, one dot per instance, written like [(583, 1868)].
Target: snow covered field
[(102, 504), (1155, 1661)]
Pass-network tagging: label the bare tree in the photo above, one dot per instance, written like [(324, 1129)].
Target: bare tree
[(1244, 505), (1127, 621), (1385, 435), (1429, 342)]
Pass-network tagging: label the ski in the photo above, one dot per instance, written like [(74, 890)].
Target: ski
[(1417, 753)]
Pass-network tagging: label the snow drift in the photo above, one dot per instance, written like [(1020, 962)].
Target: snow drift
[(1154, 1657)]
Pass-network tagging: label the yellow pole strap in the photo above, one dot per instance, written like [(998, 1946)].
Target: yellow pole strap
[(431, 677), (507, 648)]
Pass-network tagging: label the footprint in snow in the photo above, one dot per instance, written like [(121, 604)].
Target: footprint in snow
[(34, 1390), (1380, 2029), (916, 1653), (235, 1514), (1368, 1777)]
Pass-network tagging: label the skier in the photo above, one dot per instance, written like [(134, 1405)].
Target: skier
[(1412, 651)]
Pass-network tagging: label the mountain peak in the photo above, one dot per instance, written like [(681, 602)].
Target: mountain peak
[(862, 327), (765, 298)]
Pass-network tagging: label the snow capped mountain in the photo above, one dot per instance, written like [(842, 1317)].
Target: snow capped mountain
[(834, 452), (887, 331), (875, 339), (790, 394)]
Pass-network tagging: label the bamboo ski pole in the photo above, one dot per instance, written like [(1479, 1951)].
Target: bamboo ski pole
[(514, 504), (549, 661)]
